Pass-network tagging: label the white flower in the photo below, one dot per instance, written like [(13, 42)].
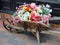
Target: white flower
[(20, 12), (50, 10), (39, 10), (48, 6)]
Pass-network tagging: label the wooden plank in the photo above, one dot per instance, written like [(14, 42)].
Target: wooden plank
[(51, 32), (38, 36), (57, 26)]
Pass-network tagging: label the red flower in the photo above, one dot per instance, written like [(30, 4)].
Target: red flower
[(27, 8), (38, 18), (32, 17), (28, 5), (35, 18)]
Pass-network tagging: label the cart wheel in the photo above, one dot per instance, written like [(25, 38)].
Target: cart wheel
[(7, 25)]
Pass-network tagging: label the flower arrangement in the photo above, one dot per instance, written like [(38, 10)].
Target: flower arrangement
[(32, 12)]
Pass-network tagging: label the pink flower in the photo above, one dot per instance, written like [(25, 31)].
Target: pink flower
[(20, 6), (15, 19), (49, 15), (33, 6), (46, 18), (16, 7), (33, 13)]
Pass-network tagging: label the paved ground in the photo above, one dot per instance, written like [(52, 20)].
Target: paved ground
[(23, 38)]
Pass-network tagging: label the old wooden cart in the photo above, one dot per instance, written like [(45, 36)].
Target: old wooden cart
[(32, 27)]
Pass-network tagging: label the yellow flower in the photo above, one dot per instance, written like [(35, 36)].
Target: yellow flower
[(30, 9), (24, 7)]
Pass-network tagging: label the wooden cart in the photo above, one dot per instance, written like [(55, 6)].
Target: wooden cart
[(32, 27)]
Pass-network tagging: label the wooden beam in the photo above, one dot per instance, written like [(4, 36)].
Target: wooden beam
[(51, 32)]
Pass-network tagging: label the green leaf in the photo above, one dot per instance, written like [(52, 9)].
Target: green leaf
[(45, 11)]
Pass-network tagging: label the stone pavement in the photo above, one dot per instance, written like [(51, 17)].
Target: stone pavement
[(24, 38)]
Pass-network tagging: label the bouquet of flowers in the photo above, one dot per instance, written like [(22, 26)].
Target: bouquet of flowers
[(32, 12)]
